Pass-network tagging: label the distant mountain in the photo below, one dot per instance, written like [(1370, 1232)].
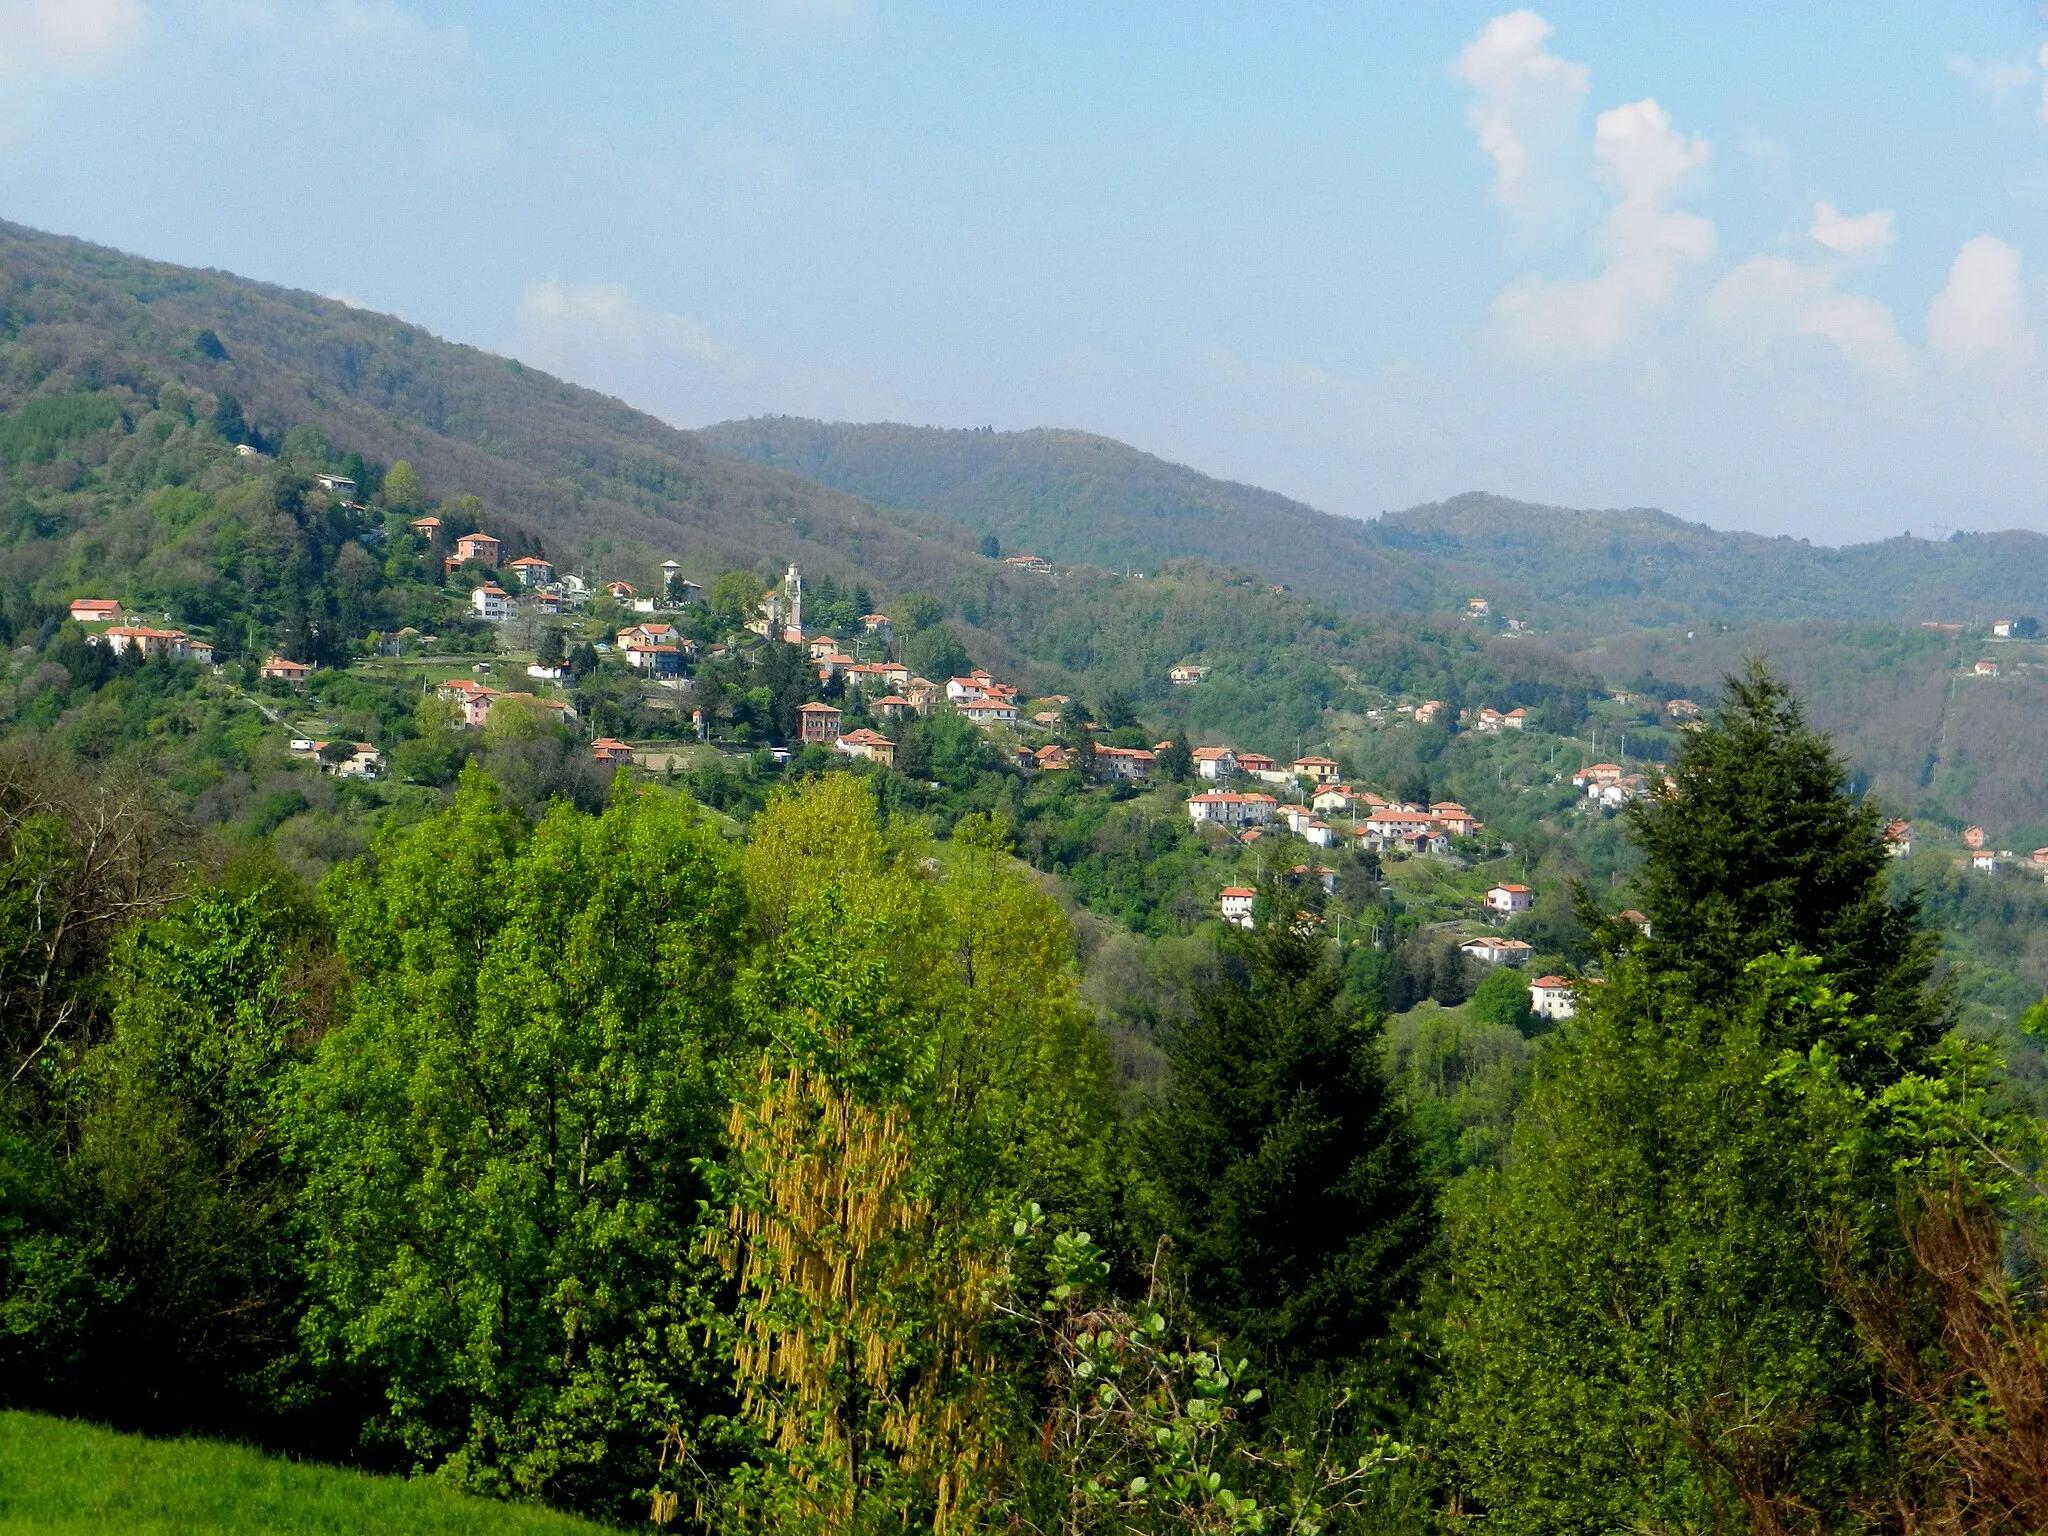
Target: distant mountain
[(599, 481), (125, 385), (1077, 498), (1072, 497), (1611, 570)]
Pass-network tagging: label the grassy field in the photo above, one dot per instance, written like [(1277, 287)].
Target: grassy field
[(57, 1476)]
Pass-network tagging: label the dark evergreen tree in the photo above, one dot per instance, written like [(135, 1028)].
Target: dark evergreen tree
[(1646, 1329), (1177, 762), (1757, 845), (1282, 1163), (1119, 710)]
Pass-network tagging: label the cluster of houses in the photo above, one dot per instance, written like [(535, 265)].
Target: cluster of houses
[(143, 639), (363, 762), (1376, 823), (540, 586), (476, 701), (1976, 855), (1609, 786)]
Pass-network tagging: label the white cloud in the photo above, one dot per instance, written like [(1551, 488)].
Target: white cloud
[(1839, 232), (608, 317), (757, 174), (1994, 77), (1860, 326), (1979, 309), (458, 145), (1765, 285), (1645, 162), (48, 47), (73, 37), (1527, 103), (1768, 297)]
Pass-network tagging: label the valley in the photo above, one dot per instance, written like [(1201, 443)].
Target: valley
[(450, 691)]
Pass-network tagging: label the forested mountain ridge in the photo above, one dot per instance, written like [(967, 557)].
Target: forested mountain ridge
[(1074, 496), (600, 482)]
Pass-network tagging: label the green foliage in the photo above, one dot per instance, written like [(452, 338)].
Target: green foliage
[(1502, 1001), (37, 432), (498, 1142), (1645, 1331), (1759, 848), (1646, 1328), (1148, 1432), (936, 653), (402, 489), (916, 612), (735, 597), (1463, 1079), (1282, 1162)]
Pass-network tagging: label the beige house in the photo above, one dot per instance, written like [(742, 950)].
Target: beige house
[(872, 745)]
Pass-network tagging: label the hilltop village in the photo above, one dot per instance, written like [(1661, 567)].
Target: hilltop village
[(643, 675)]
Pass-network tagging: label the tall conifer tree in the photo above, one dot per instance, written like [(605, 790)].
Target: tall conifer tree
[(1283, 1163), (1644, 1332)]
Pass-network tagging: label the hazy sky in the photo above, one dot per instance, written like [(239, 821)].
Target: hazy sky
[(1766, 266)]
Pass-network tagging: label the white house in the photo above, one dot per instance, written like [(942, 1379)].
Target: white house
[(1235, 903), (1215, 763), (1492, 951), (1389, 823), (1228, 810), (1186, 674), (1335, 800), (491, 603), (656, 660), (532, 570), (1550, 997), (976, 685), (1320, 835), (365, 762), (993, 711), (174, 643), (1507, 900)]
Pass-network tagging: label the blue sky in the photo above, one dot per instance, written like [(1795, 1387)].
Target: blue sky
[(1781, 268)]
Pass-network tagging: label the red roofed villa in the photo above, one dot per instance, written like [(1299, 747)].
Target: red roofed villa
[(1507, 900)]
